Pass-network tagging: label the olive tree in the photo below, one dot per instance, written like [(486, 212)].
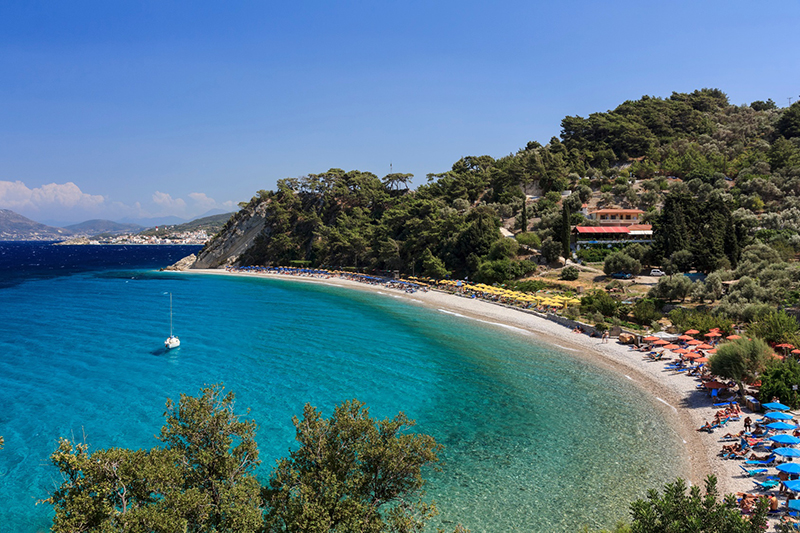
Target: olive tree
[(740, 360), (202, 479), (351, 473)]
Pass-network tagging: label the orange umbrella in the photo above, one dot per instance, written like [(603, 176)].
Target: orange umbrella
[(733, 337), (784, 345), (661, 342), (712, 352), (713, 334), (701, 360), (671, 346), (795, 351), (704, 346), (691, 332), (651, 338), (692, 355), (681, 350), (694, 343), (686, 338)]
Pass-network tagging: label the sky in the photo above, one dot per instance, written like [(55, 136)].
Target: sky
[(128, 110)]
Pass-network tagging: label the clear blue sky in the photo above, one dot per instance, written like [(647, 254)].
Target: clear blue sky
[(120, 109)]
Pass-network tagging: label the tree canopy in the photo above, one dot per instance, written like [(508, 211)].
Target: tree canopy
[(351, 473)]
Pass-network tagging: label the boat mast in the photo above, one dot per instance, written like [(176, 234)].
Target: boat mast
[(170, 314)]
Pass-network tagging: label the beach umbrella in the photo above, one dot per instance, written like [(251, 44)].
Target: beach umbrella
[(733, 337), (691, 332), (713, 334), (694, 343), (704, 347), (781, 426), (661, 342), (785, 439), (692, 355), (671, 347), (793, 484), (776, 406), (686, 338), (701, 360), (787, 452), (795, 351), (789, 468), (784, 345), (681, 350), (777, 415), (712, 352), (651, 338)]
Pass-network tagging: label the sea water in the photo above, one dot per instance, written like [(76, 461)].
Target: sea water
[(536, 439)]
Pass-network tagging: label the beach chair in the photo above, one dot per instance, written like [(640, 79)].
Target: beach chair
[(766, 462), (767, 483), (754, 472)]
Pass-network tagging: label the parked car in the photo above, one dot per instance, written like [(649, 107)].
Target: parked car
[(622, 275), (657, 272)]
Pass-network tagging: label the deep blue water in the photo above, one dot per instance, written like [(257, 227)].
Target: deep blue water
[(536, 439)]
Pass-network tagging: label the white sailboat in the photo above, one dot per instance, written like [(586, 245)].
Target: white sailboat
[(172, 341)]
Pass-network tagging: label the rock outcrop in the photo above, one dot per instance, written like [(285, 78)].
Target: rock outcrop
[(234, 238), (183, 264)]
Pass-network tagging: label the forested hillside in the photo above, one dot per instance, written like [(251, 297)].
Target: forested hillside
[(712, 177)]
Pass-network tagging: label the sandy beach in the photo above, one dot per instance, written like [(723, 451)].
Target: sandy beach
[(675, 395)]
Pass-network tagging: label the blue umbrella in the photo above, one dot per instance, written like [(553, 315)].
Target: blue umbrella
[(787, 452), (777, 415), (794, 484), (781, 425), (785, 439), (776, 406), (789, 468)]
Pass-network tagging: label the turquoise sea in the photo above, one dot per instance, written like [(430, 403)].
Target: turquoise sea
[(536, 438)]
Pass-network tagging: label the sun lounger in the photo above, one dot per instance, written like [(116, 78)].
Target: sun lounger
[(767, 484), (754, 471), (767, 462)]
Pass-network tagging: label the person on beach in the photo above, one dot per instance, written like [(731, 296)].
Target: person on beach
[(748, 425), (605, 337)]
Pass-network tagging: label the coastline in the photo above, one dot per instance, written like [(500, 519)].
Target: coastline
[(675, 395)]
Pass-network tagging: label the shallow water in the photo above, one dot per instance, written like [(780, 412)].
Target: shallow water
[(536, 439)]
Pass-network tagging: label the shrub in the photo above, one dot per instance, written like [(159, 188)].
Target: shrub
[(530, 239), (621, 262), (570, 273), (778, 379), (600, 302)]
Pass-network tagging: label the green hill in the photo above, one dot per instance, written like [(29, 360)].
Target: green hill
[(211, 224), (742, 162)]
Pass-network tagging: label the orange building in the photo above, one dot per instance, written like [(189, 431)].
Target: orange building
[(617, 217)]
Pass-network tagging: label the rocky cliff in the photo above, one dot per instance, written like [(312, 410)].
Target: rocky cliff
[(235, 237)]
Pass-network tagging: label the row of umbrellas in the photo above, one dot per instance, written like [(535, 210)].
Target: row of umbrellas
[(551, 300), (778, 412)]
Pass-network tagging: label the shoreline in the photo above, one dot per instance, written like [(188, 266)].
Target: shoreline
[(674, 395)]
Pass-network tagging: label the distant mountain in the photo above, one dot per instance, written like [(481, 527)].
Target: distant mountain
[(98, 227), (15, 227), (153, 222), (212, 213)]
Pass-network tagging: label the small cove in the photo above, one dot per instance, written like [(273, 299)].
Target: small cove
[(536, 439)]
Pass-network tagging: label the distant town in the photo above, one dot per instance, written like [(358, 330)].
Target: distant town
[(182, 237), (15, 227)]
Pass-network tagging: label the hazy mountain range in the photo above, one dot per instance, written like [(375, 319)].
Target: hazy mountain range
[(15, 227)]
